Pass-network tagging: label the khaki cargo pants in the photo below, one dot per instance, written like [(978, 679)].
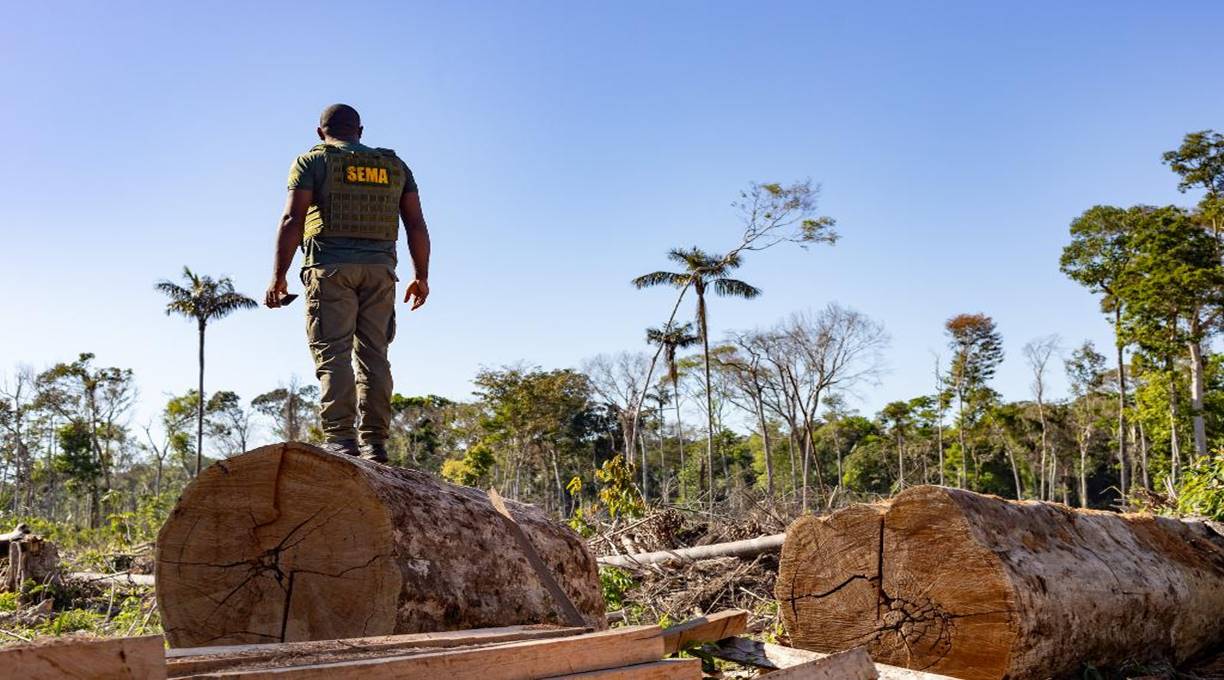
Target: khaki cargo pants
[(350, 321)]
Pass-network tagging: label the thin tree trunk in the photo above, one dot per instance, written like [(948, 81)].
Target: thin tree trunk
[(679, 440), (1044, 432), (645, 471), (1197, 389), (793, 466), (900, 464), (1083, 490), (1011, 457), (960, 428), (1143, 453), (705, 352), (1174, 443), (200, 408), (769, 474), (1123, 461)]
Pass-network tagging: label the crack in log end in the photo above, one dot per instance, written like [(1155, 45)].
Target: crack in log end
[(832, 591), (288, 603)]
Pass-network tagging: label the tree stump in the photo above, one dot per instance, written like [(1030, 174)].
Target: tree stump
[(288, 542), (29, 558), (974, 586)]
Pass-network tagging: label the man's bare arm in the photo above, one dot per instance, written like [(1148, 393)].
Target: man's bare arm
[(288, 238), (418, 246)]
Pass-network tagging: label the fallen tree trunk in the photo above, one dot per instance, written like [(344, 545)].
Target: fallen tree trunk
[(122, 578), (288, 542), (975, 586), (746, 548)]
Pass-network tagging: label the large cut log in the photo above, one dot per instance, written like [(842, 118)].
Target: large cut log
[(975, 586), (288, 542)]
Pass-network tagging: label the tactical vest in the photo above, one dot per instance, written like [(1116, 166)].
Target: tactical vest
[(360, 197)]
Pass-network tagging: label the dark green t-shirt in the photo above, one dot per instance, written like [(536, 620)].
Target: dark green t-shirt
[(309, 172)]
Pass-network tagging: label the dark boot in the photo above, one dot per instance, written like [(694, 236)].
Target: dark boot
[(343, 447), (375, 451)]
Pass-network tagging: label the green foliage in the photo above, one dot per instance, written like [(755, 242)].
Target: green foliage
[(1201, 488), (865, 470), (617, 493), (8, 602), (615, 584), (473, 468)]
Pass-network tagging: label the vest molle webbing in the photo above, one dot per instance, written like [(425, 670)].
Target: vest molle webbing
[(360, 195)]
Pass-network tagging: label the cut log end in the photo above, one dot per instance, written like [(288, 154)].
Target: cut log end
[(973, 586), (290, 543), (258, 550), (875, 590)]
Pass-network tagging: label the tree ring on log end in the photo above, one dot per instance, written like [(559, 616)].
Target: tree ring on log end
[(303, 561), (854, 578)]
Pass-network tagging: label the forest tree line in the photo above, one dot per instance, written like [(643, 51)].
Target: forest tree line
[(707, 417)]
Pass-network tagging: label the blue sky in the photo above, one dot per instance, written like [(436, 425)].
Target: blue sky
[(562, 148)]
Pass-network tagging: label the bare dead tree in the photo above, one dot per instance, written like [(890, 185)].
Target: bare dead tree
[(1037, 353), (835, 349), (620, 380)]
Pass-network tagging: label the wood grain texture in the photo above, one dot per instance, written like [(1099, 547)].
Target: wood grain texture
[(139, 658), (288, 542), (511, 661), (710, 628), (772, 657), (194, 660), (668, 669), (973, 586), (852, 665)]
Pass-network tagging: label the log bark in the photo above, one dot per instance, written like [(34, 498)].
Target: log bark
[(288, 542), (747, 548), (973, 586)]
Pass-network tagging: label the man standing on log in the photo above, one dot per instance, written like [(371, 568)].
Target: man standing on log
[(345, 203)]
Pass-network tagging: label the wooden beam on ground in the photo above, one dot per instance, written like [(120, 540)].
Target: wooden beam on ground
[(852, 665), (138, 658), (510, 661), (194, 660), (704, 629), (773, 657), (746, 548), (668, 669)]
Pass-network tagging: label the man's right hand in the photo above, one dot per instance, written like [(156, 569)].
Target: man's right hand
[(276, 290)]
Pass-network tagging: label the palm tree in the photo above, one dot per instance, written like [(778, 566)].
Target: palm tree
[(703, 272), (671, 338), (203, 299)]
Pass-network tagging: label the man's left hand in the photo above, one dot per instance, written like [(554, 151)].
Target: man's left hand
[(417, 292)]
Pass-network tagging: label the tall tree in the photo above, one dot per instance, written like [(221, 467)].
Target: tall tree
[(1174, 290), (1037, 354), (977, 351), (203, 299), (670, 339), (93, 403), (1199, 161), (1098, 258), (293, 410), (1086, 373), (704, 273)]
